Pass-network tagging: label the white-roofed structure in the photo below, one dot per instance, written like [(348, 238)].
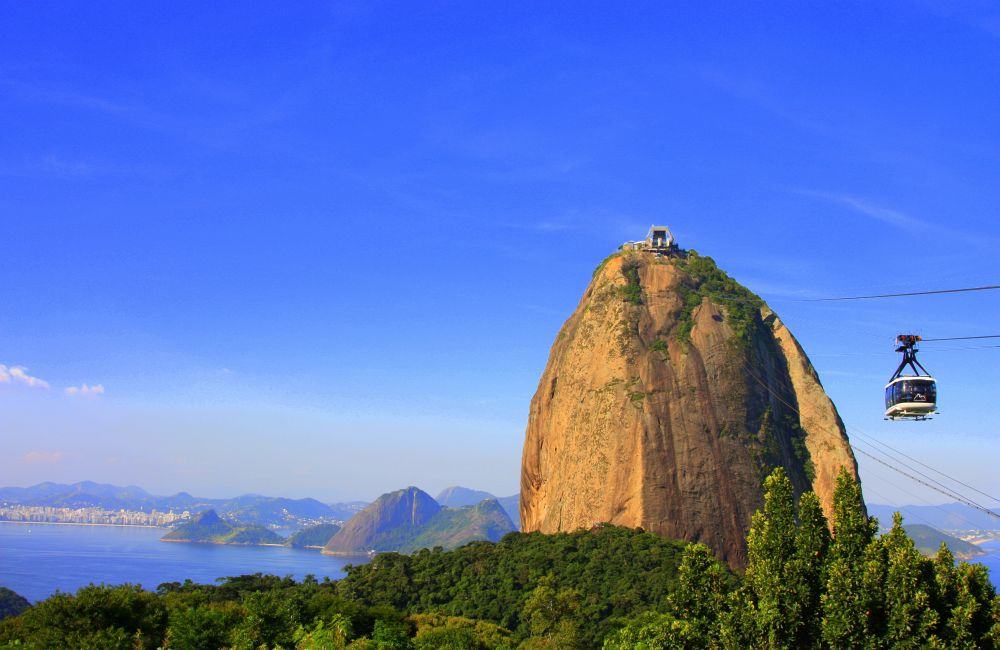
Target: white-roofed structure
[(659, 239)]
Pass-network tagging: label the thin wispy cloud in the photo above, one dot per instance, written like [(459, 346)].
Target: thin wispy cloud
[(19, 375), (762, 97), (85, 390), (877, 212), (896, 218), (543, 226), (43, 457)]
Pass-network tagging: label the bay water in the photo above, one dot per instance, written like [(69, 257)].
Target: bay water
[(37, 560)]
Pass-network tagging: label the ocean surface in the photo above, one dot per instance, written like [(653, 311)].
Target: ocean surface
[(38, 560), (992, 560)]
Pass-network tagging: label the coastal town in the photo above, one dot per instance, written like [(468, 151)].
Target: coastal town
[(95, 516)]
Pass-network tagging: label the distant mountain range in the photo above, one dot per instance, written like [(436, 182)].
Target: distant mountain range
[(249, 509), (947, 516), (403, 521), (409, 519)]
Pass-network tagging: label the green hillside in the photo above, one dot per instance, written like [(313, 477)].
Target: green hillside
[(928, 541), (11, 603), (408, 520), (208, 528), (453, 527), (314, 536)]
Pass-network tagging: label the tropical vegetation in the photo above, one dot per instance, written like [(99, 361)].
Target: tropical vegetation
[(808, 584)]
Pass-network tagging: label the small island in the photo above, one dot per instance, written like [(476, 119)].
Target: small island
[(208, 528)]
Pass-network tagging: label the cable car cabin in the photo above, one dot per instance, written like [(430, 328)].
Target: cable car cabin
[(910, 397)]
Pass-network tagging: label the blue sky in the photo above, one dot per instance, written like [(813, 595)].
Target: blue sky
[(323, 250)]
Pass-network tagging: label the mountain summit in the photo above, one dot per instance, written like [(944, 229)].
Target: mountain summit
[(669, 394), (408, 520)]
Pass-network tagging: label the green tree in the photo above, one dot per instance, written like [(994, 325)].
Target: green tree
[(391, 635), (848, 603), (807, 570), (698, 601), (203, 627), (652, 631), (553, 614), (123, 617), (770, 549), (324, 636), (271, 620), (450, 638), (972, 621), (910, 619)]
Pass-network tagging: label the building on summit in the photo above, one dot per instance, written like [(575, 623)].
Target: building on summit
[(658, 240)]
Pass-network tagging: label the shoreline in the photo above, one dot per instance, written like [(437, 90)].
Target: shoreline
[(79, 523), (191, 541)]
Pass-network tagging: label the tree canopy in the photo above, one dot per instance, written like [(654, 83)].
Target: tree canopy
[(805, 587)]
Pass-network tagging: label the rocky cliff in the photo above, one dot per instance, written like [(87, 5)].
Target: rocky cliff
[(669, 395)]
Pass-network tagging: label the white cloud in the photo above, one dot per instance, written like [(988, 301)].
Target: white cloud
[(85, 390), (42, 457), (19, 375)]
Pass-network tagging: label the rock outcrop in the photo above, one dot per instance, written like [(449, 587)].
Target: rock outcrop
[(669, 394)]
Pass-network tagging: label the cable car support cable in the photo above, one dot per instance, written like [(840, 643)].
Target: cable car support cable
[(964, 338), (943, 489), (872, 440), (900, 295)]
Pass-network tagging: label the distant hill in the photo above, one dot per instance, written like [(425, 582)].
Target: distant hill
[(313, 537), (409, 519), (454, 527), (346, 510), (275, 510), (249, 509), (11, 603), (947, 516), (457, 496), (928, 541), (208, 528), (512, 506), (390, 521)]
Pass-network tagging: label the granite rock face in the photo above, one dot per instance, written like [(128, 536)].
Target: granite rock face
[(669, 394)]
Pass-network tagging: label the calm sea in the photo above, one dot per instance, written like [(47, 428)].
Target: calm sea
[(35, 561)]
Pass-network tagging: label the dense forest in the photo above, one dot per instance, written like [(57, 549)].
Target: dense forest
[(607, 587)]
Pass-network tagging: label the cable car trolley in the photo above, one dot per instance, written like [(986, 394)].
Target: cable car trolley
[(910, 397)]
